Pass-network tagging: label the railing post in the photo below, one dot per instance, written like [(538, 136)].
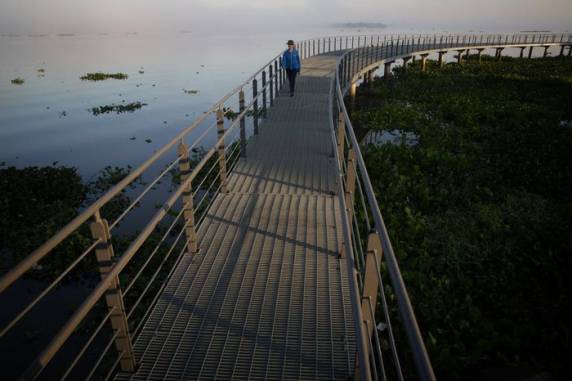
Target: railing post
[(281, 71), (441, 53), (371, 276), (276, 78), (460, 56), (424, 62), (221, 150), (348, 69), (264, 93), (350, 183), (271, 83), (342, 71), (255, 105), (499, 53), (113, 297), (187, 198), (530, 51), (341, 137), (242, 123)]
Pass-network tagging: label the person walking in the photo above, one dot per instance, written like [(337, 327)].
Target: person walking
[(291, 62)]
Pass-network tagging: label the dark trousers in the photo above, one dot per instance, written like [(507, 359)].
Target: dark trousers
[(291, 74)]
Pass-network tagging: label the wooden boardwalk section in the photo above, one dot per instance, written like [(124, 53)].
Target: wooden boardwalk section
[(267, 296)]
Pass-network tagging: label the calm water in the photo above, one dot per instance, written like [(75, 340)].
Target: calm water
[(48, 118)]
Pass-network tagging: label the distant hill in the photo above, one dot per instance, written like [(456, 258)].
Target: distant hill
[(376, 25)]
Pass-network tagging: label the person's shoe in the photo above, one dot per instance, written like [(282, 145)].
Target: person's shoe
[(292, 94)]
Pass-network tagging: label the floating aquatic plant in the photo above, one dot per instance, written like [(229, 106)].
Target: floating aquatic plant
[(18, 81), (190, 91), (119, 109), (230, 114), (99, 76)]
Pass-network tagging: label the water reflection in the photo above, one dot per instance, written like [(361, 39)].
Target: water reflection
[(397, 137)]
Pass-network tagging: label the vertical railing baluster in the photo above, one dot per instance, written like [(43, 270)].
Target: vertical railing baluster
[(276, 88), (221, 150), (114, 296), (281, 71), (187, 198), (341, 138), (350, 182), (264, 93), (271, 84), (255, 104), (242, 123)]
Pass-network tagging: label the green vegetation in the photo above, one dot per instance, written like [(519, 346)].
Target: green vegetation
[(480, 210), (230, 114), (118, 109), (18, 81), (102, 76), (35, 202)]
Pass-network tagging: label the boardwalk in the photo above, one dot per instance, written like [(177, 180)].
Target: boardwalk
[(267, 296)]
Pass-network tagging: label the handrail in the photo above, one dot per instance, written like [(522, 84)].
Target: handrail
[(349, 66), (25, 265)]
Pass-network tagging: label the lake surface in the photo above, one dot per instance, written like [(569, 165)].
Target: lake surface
[(48, 118)]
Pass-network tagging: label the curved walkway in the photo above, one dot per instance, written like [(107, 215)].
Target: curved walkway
[(267, 296)]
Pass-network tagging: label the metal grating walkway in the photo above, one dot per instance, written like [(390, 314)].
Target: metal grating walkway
[(266, 297)]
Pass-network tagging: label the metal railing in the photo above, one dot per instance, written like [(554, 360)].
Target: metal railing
[(172, 230), (174, 226), (372, 254)]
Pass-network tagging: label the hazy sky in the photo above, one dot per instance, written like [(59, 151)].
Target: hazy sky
[(81, 16)]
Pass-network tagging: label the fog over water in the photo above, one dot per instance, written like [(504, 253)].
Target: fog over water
[(216, 16)]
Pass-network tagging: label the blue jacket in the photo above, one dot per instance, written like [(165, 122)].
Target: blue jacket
[(291, 60)]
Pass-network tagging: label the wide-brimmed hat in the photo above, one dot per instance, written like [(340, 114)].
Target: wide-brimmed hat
[(290, 42)]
